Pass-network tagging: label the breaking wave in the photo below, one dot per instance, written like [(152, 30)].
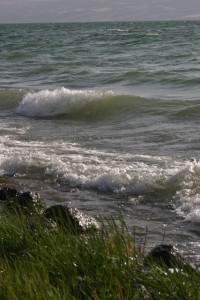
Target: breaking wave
[(61, 101), (85, 103), (92, 104), (148, 178)]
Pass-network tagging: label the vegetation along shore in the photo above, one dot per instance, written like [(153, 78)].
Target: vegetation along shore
[(60, 253)]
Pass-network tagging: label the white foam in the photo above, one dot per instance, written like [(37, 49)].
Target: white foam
[(187, 198), (174, 178), (118, 30), (47, 103)]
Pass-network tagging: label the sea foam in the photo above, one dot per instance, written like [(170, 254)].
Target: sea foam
[(175, 181)]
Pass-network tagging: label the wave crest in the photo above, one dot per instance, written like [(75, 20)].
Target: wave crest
[(60, 101)]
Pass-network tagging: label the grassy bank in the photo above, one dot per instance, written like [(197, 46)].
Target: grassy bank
[(41, 263)]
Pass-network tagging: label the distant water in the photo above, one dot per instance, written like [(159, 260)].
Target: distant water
[(105, 117)]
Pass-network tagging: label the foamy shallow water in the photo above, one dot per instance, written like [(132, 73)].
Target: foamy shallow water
[(175, 181), (150, 190)]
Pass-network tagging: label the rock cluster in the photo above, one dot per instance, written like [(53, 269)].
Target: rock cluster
[(26, 202), (31, 204), (75, 221)]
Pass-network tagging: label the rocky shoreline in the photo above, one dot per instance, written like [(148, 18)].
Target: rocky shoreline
[(30, 204), (80, 257)]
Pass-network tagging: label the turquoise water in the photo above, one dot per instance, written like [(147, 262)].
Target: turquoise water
[(105, 117)]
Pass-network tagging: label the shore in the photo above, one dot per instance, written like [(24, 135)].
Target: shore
[(47, 254)]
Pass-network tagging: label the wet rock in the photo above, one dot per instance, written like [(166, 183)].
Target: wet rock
[(60, 214), (71, 218), (27, 199), (7, 193), (164, 255), (26, 203), (30, 202), (84, 220)]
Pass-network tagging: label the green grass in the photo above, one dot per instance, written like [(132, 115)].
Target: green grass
[(36, 263)]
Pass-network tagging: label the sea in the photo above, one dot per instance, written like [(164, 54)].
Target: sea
[(105, 117)]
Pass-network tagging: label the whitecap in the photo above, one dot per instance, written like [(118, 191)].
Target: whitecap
[(47, 103)]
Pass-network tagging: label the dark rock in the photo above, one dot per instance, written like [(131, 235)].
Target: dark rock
[(26, 203), (30, 202), (60, 214), (7, 193), (164, 255), (71, 218), (27, 199)]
